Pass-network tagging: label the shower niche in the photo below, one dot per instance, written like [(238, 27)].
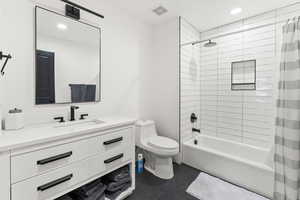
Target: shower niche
[(243, 75)]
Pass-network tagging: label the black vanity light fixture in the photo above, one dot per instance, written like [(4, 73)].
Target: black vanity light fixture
[(73, 10), (7, 57)]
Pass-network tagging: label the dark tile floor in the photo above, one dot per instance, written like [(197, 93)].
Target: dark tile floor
[(149, 187)]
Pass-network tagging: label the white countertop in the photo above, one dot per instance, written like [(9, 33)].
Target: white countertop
[(43, 133)]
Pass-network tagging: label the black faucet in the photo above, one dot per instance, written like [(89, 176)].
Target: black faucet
[(73, 108)]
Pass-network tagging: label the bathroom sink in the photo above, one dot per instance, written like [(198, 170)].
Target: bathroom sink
[(79, 123)]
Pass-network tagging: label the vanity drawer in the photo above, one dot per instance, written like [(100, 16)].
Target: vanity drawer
[(117, 157), (116, 140), (48, 186), (38, 162)]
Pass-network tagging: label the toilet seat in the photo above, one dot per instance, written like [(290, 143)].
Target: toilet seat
[(163, 143)]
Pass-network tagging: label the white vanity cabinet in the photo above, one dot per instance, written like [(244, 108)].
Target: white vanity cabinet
[(48, 170), (4, 176)]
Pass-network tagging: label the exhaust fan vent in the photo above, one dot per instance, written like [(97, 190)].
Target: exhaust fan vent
[(160, 10)]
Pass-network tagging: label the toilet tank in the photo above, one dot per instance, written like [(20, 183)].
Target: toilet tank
[(144, 129)]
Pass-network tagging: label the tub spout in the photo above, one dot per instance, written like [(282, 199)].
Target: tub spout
[(196, 130)]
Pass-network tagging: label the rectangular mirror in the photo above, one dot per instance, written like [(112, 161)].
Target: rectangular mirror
[(68, 65)]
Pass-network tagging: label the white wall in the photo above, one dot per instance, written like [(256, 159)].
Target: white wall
[(125, 43), (160, 81)]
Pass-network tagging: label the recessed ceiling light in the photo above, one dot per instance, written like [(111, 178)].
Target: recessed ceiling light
[(62, 26), (236, 11)]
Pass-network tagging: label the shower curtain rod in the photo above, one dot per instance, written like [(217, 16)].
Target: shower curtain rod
[(232, 33)]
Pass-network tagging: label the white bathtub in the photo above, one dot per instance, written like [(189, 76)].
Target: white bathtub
[(244, 165)]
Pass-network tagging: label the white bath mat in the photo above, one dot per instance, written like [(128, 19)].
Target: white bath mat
[(207, 187)]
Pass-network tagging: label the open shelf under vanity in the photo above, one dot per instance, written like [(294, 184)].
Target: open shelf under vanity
[(120, 193)]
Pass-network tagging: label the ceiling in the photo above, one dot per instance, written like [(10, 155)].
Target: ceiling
[(204, 14)]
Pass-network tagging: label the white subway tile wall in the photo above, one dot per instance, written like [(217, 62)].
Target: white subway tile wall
[(242, 116)]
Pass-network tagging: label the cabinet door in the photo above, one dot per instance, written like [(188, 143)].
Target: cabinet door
[(4, 174)]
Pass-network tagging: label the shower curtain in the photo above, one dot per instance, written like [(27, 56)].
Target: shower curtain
[(287, 139)]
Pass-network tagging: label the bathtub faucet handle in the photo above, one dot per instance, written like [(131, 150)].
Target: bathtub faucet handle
[(194, 118)]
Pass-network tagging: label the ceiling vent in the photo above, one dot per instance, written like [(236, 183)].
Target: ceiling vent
[(160, 10)]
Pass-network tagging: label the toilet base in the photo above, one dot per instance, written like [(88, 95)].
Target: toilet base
[(163, 167)]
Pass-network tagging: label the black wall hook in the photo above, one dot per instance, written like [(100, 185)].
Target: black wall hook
[(5, 62)]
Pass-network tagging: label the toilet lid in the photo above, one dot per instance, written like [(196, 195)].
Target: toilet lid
[(163, 143)]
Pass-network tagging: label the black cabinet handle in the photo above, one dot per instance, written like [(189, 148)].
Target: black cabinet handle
[(61, 119), (113, 141), (54, 183), (54, 158), (110, 160), (82, 116)]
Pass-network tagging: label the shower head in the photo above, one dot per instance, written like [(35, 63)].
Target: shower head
[(210, 44)]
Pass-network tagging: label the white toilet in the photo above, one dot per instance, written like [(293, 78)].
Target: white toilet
[(161, 148)]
